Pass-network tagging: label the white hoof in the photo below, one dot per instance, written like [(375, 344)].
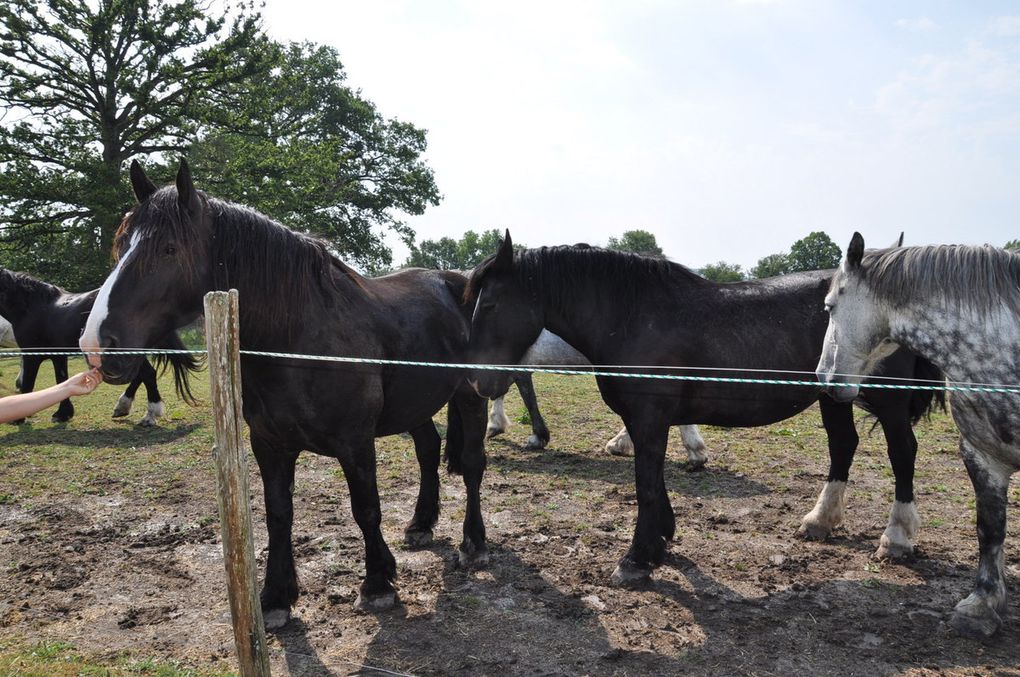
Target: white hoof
[(898, 539), (156, 411), (123, 407), (534, 443), (827, 513), (621, 445), (275, 619)]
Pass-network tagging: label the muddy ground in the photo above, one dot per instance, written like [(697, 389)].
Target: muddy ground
[(109, 544)]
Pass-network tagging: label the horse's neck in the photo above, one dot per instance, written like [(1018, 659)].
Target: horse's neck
[(965, 346), (584, 323)]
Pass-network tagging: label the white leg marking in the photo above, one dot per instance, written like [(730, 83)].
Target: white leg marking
[(123, 407), (156, 410), (898, 539), (621, 445), (695, 446), (498, 422), (827, 513)]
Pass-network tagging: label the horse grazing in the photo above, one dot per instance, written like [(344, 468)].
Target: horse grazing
[(550, 350), (624, 309), (958, 306), (45, 318), (179, 243)]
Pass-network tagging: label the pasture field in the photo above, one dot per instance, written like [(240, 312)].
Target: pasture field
[(110, 557)]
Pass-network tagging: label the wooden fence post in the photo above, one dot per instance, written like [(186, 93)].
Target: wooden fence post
[(222, 339)]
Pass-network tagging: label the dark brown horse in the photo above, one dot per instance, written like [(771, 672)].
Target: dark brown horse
[(296, 297)]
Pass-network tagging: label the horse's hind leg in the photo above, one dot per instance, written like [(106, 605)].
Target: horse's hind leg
[(427, 445), (147, 375), (65, 410), (539, 432), (280, 588), (838, 419), (898, 538), (980, 614), (498, 421), (694, 445), (465, 437)]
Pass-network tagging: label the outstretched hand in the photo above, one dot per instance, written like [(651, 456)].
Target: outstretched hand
[(83, 383)]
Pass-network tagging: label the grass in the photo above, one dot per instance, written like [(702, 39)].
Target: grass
[(59, 659)]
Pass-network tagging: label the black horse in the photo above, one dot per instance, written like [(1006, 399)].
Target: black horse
[(296, 297), (46, 318), (624, 309)]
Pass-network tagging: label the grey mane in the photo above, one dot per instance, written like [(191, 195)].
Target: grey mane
[(981, 277)]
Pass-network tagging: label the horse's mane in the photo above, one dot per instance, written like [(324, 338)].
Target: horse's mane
[(22, 291), (981, 277), (560, 274), (263, 259)]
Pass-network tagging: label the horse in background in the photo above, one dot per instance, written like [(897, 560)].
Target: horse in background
[(623, 309), (550, 350), (296, 297), (7, 339), (45, 318), (959, 307)]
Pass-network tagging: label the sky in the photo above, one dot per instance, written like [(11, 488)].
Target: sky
[(728, 128)]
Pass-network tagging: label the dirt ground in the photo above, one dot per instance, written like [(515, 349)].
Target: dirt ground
[(128, 563)]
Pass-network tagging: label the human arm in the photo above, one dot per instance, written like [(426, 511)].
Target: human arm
[(14, 407)]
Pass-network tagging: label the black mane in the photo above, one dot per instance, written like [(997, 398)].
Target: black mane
[(19, 292), (558, 272)]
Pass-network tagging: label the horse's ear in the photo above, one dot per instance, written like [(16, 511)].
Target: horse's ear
[(855, 252), (185, 187), (505, 256), (898, 243), (140, 183)]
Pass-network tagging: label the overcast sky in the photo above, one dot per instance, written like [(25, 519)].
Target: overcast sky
[(729, 129)]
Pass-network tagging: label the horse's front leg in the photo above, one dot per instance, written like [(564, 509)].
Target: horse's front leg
[(467, 431), (427, 444), (980, 614), (655, 523), (65, 410), (280, 588), (539, 431), (357, 457), (155, 410), (838, 419), (901, 530)]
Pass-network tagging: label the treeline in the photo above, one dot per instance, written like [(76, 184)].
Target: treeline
[(85, 87)]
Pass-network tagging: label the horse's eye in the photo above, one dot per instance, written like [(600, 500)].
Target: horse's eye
[(170, 249)]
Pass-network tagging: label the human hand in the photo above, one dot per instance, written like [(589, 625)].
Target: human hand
[(83, 383)]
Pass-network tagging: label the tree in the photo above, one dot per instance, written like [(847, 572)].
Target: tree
[(84, 87), (816, 251), (722, 272), (636, 241), (771, 265), (303, 147), (449, 254), (1012, 245)]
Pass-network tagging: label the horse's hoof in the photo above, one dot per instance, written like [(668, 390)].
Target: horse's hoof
[(382, 601), (468, 556), (147, 422), (59, 418), (491, 432), (812, 531), (974, 618), (629, 573), (417, 538), (274, 619), (123, 407), (696, 465), (890, 550), (535, 443)]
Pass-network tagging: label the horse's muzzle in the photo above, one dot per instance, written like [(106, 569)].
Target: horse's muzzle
[(118, 369)]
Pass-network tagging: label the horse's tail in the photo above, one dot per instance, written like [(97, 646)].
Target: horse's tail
[(454, 437), (183, 365), (923, 402)]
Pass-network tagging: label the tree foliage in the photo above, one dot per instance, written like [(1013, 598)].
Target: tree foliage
[(771, 265), (463, 254), (1012, 245), (637, 242), (85, 86), (816, 251), (722, 272), (303, 147)]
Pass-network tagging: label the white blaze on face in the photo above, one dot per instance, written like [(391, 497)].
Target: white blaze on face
[(89, 341)]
